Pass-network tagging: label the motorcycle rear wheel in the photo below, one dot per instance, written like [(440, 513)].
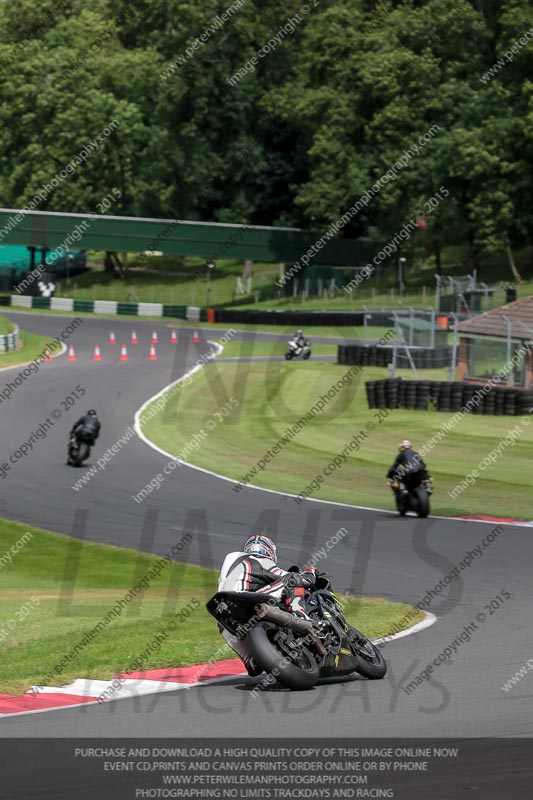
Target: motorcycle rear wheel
[(370, 662), (401, 505), (295, 672), (82, 454), (306, 356), (422, 498)]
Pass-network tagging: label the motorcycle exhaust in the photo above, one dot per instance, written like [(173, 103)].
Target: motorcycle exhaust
[(283, 618), (286, 620)]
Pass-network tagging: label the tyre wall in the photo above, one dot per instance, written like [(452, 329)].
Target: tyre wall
[(445, 396), (381, 356)]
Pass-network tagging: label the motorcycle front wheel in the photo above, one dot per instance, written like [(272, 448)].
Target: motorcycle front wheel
[(288, 355), (278, 652), (370, 662)]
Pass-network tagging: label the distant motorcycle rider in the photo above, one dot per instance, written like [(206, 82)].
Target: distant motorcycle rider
[(86, 429), (299, 338), (408, 468), (254, 569)]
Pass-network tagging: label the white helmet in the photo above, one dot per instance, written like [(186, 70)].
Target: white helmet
[(258, 545)]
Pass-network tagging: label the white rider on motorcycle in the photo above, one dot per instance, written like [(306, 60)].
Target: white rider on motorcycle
[(254, 569), (299, 338)]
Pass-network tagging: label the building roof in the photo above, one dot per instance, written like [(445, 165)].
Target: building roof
[(492, 323)]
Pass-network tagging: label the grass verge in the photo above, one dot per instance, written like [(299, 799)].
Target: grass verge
[(57, 589), (31, 345), (278, 347), (275, 395), (5, 325), (275, 349)]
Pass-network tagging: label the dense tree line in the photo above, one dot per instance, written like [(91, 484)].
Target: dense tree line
[(277, 113)]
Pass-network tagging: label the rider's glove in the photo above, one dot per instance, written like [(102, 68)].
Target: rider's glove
[(305, 578), (309, 576), (292, 580)]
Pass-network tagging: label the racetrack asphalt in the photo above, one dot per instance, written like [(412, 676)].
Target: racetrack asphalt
[(382, 555)]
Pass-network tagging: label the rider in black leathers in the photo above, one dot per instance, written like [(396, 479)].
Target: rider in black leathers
[(86, 429), (409, 468)]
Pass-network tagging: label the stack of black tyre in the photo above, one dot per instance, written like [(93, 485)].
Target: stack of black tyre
[(509, 403), (489, 402), (301, 319), (381, 395), (370, 387), (524, 402), (424, 395), (363, 355), (375, 355), (444, 397), (392, 389)]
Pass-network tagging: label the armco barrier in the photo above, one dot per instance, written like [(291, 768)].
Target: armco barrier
[(378, 356), (100, 306), (41, 302), (195, 314), (84, 305), (126, 308), (443, 396), (175, 311), (59, 303)]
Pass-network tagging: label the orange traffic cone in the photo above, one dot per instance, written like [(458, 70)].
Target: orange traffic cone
[(134, 339), (71, 353), (112, 339), (123, 353), (97, 356), (47, 354), (153, 354), (195, 336), (154, 337), (174, 337)]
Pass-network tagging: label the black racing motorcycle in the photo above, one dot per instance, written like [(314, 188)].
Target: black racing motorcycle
[(412, 494), (79, 449), (295, 651)]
